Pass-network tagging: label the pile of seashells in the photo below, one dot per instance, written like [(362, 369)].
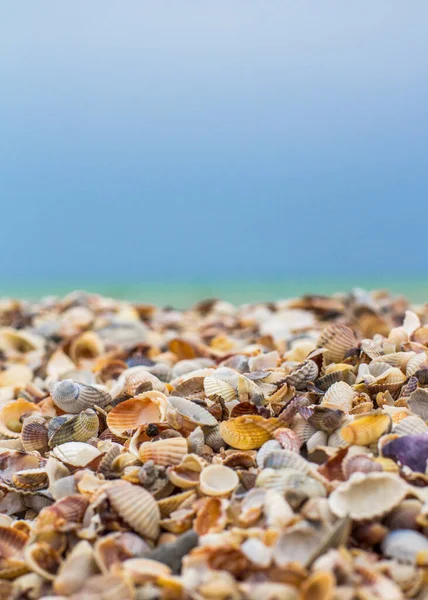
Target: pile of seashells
[(271, 451)]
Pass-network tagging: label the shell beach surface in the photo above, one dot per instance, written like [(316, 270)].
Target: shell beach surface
[(268, 451)]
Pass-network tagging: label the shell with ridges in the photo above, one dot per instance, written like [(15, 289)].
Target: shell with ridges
[(73, 397), (77, 454), (164, 452), (339, 396), (248, 432), (34, 434), (187, 415), (80, 428), (365, 430), (149, 407)]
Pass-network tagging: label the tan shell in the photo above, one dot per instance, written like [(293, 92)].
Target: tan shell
[(136, 506), (337, 339), (186, 474), (149, 407), (80, 428), (248, 432), (318, 586), (136, 380), (218, 480), (19, 342), (367, 496), (366, 430), (86, 347), (12, 415), (142, 570), (339, 396), (34, 434), (164, 452), (173, 503), (77, 567), (16, 376), (42, 559)]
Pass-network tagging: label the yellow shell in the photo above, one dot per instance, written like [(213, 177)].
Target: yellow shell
[(12, 414), (248, 432), (366, 430), (86, 348), (149, 407), (164, 452), (337, 339)]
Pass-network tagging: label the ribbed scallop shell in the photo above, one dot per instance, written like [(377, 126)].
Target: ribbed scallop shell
[(338, 339), (76, 568), (73, 397), (358, 463), (243, 408), (248, 432), (34, 434), (391, 380), (339, 396), (326, 419), (80, 428), (196, 441), (323, 383), (396, 359), (266, 449), (12, 415), (216, 388), (415, 363), (182, 413), (418, 403), (411, 425), (302, 374), (136, 506), (77, 454), (42, 559), (366, 430), (288, 439), (283, 459), (213, 439), (12, 541), (31, 480), (294, 484), (164, 452), (149, 407), (367, 496), (136, 380), (218, 480)]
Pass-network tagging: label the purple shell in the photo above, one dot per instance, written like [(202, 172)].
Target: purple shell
[(409, 450)]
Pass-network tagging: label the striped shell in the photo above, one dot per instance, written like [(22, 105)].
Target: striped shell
[(164, 452), (248, 432), (187, 415), (339, 396), (418, 403), (80, 428), (149, 407), (367, 495), (136, 506), (288, 439), (34, 434), (136, 380), (73, 397), (302, 374), (366, 430), (337, 339)]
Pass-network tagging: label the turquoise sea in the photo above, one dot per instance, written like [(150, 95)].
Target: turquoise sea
[(183, 293)]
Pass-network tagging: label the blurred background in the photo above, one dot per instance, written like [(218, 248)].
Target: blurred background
[(170, 151)]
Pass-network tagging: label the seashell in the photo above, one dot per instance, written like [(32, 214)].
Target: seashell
[(338, 339), (283, 459), (12, 541), (418, 403), (74, 571), (34, 434), (30, 479), (211, 516), (80, 428), (12, 415), (405, 515), (42, 559), (143, 570), (325, 419), (277, 510), (295, 485), (323, 383), (404, 545), (186, 474), (16, 376), (318, 586), (367, 496), (76, 454), (366, 430), (172, 503), (391, 380), (196, 441), (358, 463), (409, 387), (302, 374), (422, 376), (86, 347), (213, 439), (20, 342), (62, 515), (302, 429), (296, 544), (218, 480), (411, 425), (187, 415), (105, 586), (248, 432), (396, 359), (149, 407), (415, 363), (216, 388), (257, 552), (339, 396), (73, 397), (243, 408), (408, 450), (164, 452), (267, 447), (136, 506), (288, 439), (136, 380), (318, 439)]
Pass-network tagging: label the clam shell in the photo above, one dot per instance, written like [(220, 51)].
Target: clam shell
[(283, 459), (187, 414), (164, 452), (266, 449), (358, 463), (214, 440), (404, 545), (337, 339), (319, 585), (186, 474), (288, 439), (415, 363), (418, 403), (248, 432), (409, 450), (80, 428), (302, 374), (318, 439), (367, 496), (73, 397), (325, 419), (216, 388), (12, 541), (339, 396), (296, 544), (136, 506), (196, 441), (20, 342), (323, 383), (173, 503), (366, 430), (136, 380), (218, 480), (77, 454), (143, 570), (86, 347), (12, 415), (149, 407), (34, 434)]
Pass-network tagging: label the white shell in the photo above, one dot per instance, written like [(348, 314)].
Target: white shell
[(77, 454), (218, 480)]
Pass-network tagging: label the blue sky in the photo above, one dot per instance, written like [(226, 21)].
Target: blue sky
[(216, 139)]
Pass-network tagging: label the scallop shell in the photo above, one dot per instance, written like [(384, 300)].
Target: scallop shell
[(214, 440), (12, 541), (149, 407), (80, 428), (339, 396), (283, 459), (411, 425), (136, 506), (302, 374), (62, 515), (323, 383), (288, 439), (73, 397), (77, 567), (196, 441), (30, 480), (367, 496), (136, 380), (42, 559), (218, 480), (366, 430), (143, 570), (12, 415), (418, 403), (77, 454), (325, 419), (358, 463), (266, 449), (34, 434), (187, 415), (391, 380), (216, 388), (404, 545), (337, 339), (415, 363), (248, 432), (164, 452)]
